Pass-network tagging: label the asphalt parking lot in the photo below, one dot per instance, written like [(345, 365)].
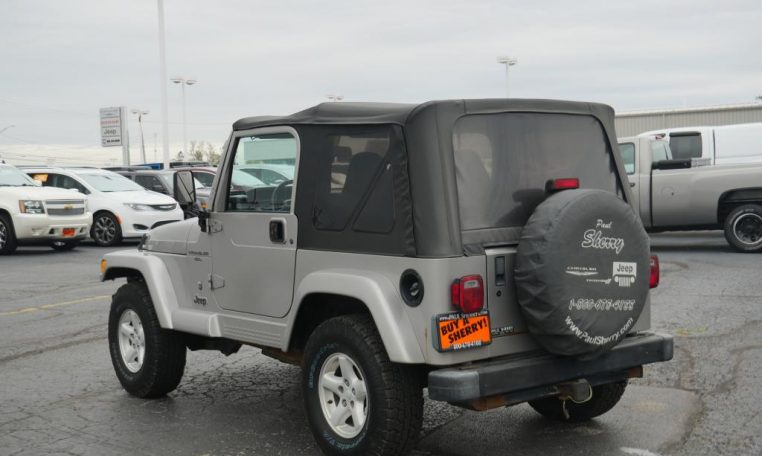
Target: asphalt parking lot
[(59, 394)]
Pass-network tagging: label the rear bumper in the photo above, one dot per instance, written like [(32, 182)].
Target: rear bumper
[(518, 375)]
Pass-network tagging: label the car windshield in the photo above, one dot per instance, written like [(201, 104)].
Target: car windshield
[(110, 182), (12, 177), (270, 174), (242, 179)]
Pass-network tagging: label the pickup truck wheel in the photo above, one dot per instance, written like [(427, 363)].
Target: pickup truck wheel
[(63, 246), (149, 361), (358, 402), (743, 228), (106, 231), (605, 397), (7, 236)]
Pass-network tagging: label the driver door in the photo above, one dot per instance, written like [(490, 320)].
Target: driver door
[(252, 227)]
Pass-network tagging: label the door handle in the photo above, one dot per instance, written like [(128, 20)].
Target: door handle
[(277, 231), (632, 184)]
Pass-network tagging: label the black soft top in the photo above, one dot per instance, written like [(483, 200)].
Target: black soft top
[(431, 200), (368, 113)]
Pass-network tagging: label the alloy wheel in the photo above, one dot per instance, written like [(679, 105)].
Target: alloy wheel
[(105, 229), (748, 228), (132, 344), (343, 395)]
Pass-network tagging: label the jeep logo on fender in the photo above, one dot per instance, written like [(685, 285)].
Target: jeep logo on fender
[(594, 239)]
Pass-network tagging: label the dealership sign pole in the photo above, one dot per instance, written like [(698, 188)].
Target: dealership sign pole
[(114, 130)]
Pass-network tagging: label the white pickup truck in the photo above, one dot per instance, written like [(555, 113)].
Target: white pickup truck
[(675, 194), (724, 145), (31, 215)]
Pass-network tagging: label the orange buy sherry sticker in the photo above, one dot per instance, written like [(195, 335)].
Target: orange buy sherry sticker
[(457, 331)]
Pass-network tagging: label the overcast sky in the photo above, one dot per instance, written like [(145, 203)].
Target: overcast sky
[(60, 61)]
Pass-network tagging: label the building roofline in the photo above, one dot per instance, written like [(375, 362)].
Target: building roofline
[(695, 109)]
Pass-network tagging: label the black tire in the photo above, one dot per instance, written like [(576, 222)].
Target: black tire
[(63, 246), (164, 360), (743, 228), (8, 242), (395, 397), (605, 397), (106, 231)]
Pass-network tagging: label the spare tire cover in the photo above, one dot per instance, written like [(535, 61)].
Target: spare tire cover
[(582, 272)]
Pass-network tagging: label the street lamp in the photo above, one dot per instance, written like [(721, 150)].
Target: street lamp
[(184, 82), (508, 62), (140, 113), (334, 98)]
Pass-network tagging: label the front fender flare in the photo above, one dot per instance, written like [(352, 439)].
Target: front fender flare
[(155, 275), (381, 298)]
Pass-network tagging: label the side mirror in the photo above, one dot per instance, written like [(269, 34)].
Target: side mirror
[(37, 183), (185, 190)]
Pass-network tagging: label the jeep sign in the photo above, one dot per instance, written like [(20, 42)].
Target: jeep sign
[(111, 127)]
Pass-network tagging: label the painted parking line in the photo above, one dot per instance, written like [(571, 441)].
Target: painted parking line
[(52, 306)]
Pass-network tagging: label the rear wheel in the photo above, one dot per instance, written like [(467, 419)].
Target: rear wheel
[(7, 235), (604, 398), (64, 245), (149, 361), (358, 402), (743, 228), (106, 231)]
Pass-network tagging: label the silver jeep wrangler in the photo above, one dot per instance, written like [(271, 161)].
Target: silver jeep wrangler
[(483, 249)]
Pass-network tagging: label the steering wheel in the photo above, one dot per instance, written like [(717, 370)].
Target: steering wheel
[(278, 189)]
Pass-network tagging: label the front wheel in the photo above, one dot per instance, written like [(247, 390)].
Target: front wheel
[(358, 402), (7, 235), (743, 228), (106, 231), (604, 398), (149, 361)]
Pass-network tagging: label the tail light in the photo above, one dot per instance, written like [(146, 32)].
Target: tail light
[(654, 280), (467, 293), (566, 183)]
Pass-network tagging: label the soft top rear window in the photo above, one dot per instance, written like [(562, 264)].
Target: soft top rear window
[(502, 162)]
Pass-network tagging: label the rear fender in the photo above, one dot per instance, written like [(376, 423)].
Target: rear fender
[(150, 269), (382, 300)]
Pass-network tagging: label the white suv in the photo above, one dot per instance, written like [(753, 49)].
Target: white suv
[(121, 208), (33, 215)]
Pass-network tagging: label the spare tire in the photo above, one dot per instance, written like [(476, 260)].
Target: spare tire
[(582, 272)]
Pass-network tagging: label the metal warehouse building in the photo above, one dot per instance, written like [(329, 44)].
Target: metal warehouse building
[(636, 122)]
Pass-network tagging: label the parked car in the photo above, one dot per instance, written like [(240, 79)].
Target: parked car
[(31, 215), (483, 249), (121, 208), (724, 145), (690, 194), (162, 181)]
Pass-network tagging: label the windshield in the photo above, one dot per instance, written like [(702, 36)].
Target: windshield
[(110, 182), (12, 177), (503, 161), (242, 179)]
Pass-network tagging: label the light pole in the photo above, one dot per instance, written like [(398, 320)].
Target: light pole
[(163, 78), (334, 98), (140, 114), (508, 62), (184, 82)]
